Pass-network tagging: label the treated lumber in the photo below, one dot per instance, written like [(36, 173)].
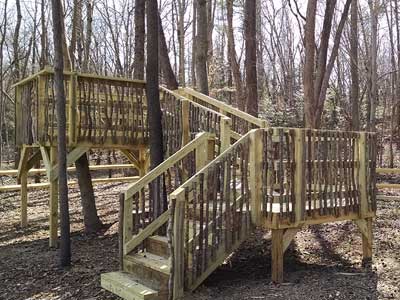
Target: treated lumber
[(72, 156), (288, 237), (387, 171), (365, 226), (277, 255), (256, 169), (145, 233), (388, 185), (179, 245), (42, 185)]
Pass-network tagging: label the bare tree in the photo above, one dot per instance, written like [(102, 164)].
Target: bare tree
[(201, 46)]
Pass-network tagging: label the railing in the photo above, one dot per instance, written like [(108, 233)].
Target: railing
[(211, 214), (100, 110), (183, 119), (140, 217), (312, 174), (241, 122)]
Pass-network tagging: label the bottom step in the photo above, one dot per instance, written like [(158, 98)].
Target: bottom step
[(127, 286)]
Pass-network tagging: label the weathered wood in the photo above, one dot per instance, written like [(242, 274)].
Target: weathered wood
[(131, 242), (179, 244), (362, 172), (277, 255), (255, 181), (365, 226), (299, 178)]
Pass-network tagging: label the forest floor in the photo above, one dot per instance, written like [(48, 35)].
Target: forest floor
[(323, 263)]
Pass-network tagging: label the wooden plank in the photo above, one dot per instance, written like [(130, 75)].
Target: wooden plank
[(185, 122), (388, 186), (69, 169), (42, 185), (387, 171), (132, 158), (256, 169), (136, 240), (277, 255)]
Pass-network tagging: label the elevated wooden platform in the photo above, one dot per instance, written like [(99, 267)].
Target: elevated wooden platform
[(225, 173)]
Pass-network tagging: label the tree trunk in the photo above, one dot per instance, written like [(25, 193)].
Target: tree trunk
[(373, 56), (309, 62), (169, 75), (138, 69), (355, 115), (235, 68), (181, 40), (153, 102), (58, 36), (250, 32), (90, 217), (202, 45)]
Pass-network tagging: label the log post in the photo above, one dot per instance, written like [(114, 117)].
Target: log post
[(256, 169)]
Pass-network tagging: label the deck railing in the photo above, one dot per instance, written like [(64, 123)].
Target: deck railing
[(242, 122), (100, 110)]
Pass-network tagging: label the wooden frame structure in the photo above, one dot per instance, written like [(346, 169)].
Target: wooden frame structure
[(225, 173)]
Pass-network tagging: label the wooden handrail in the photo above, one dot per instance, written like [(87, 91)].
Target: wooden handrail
[(226, 108), (160, 169)]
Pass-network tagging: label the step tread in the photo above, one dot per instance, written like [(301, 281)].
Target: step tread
[(150, 260), (127, 286)]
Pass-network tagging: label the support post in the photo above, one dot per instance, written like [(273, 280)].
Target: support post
[(24, 197), (277, 255), (178, 239), (128, 221), (256, 169), (205, 153), (299, 177), (365, 227), (225, 133), (72, 135), (142, 162), (185, 122), (362, 172), (53, 204)]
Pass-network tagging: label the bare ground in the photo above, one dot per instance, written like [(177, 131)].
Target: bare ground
[(323, 263)]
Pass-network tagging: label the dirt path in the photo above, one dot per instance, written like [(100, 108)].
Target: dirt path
[(323, 263)]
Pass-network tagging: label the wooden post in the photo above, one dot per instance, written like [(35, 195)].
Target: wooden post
[(18, 116), (53, 204), (41, 134), (225, 132), (24, 197), (256, 169), (365, 226), (72, 136), (277, 255), (121, 231), (185, 122), (205, 153), (362, 174), (142, 162), (128, 220), (299, 175), (178, 246)]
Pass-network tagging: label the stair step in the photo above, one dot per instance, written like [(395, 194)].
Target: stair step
[(153, 270), (158, 245), (127, 286)]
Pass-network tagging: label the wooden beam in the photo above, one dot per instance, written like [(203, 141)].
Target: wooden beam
[(387, 171), (69, 169), (225, 133), (72, 156), (388, 186), (42, 185), (365, 226), (277, 255), (362, 171), (288, 237), (132, 158), (299, 178)]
